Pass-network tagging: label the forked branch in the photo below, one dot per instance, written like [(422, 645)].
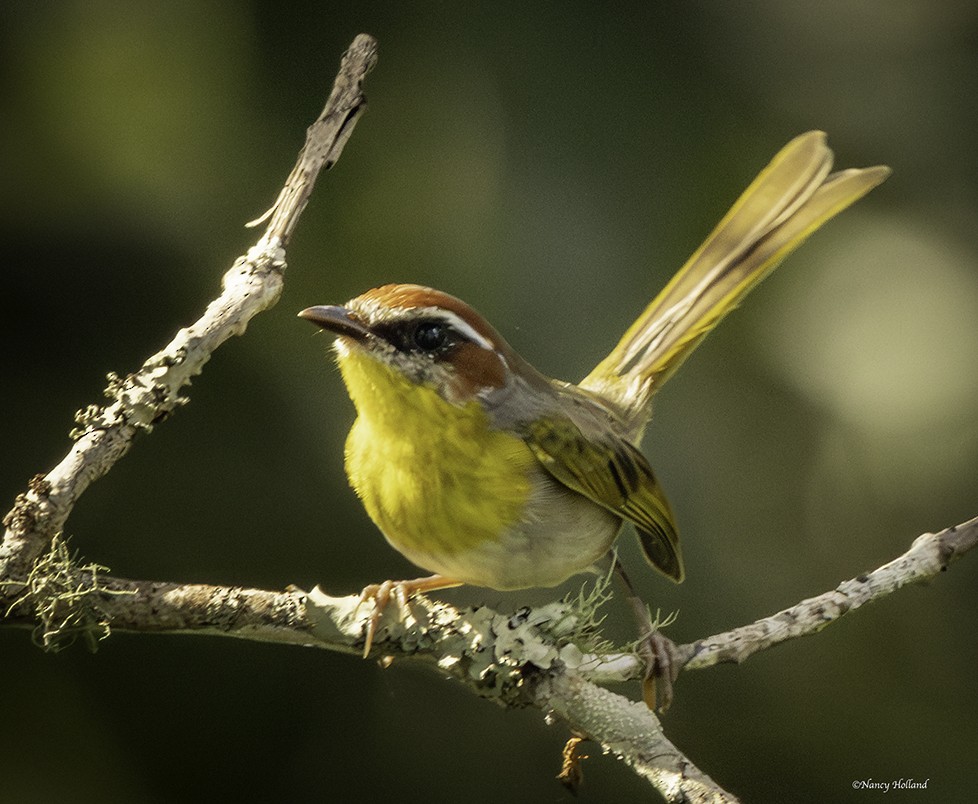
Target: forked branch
[(150, 395)]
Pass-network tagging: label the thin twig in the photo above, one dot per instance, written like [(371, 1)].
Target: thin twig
[(928, 556), (325, 140)]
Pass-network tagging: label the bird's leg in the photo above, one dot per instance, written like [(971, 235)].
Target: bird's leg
[(658, 651), (380, 594)]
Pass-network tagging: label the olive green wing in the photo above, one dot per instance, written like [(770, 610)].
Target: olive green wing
[(615, 475)]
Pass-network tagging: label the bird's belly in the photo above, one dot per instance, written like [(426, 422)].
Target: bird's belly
[(490, 516), (560, 534)]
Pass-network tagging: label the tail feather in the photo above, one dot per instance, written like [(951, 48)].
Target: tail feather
[(791, 198)]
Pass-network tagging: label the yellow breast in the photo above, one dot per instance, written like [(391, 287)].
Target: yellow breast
[(433, 476)]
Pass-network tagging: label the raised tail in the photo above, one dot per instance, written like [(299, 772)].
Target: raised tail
[(791, 198)]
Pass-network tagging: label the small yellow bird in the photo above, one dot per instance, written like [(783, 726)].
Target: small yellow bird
[(479, 468)]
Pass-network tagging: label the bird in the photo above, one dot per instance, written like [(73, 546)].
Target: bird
[(482, 470)]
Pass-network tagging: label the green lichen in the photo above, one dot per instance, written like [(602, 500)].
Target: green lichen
[(65, 596)]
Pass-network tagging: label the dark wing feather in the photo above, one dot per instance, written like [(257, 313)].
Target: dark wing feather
[(615, 475)]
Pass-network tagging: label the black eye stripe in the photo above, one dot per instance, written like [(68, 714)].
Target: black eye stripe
[(431, 336)]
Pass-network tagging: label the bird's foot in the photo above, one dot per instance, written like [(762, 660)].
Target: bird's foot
[(661, 670), (657, 651), (380, 595)]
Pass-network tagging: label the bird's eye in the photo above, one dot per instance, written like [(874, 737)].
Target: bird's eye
[(430, 336)]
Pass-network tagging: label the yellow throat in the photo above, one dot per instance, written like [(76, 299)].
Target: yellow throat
[(434, 476)]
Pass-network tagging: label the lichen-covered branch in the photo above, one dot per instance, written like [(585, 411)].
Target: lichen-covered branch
[(928, 556), (551, 657), (630, 731), (537, 657), (143, 399)]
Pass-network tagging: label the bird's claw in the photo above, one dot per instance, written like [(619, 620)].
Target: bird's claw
[(661, 670), (380, 595)]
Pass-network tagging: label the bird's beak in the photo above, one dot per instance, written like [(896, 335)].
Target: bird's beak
[(336, 319)]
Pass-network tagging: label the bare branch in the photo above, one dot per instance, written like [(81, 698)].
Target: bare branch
[(324, 140), (149, 396)]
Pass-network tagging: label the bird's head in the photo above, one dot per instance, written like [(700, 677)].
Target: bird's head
[(424, 336)]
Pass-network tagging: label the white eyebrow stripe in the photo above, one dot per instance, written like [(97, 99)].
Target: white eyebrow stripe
[(458, 323)]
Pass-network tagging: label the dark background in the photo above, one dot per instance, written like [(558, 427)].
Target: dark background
[(552, 163)]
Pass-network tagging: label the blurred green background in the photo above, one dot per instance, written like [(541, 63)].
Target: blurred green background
[(552, 163)]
